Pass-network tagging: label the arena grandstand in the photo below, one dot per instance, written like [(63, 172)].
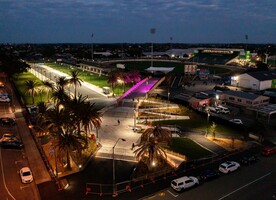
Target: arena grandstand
[(216, 56)]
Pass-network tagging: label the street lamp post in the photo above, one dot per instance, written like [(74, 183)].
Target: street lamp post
[(208, 115), (92, 53), (134, 117), (113, 164)]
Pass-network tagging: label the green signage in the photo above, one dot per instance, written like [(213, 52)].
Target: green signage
[(273, 83)]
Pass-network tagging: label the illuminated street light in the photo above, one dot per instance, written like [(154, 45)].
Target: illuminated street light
[(92, 53), (208, 115), (113, 159)]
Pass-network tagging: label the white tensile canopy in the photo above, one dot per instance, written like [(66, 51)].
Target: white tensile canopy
[(160, 69)]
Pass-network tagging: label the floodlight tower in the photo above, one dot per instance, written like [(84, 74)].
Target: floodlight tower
[(152, 31), (92, 53)]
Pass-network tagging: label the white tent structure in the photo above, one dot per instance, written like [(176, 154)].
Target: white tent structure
[(160, 69)]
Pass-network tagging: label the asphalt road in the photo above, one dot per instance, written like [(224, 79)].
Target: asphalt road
[(256, 181), (12, 160)]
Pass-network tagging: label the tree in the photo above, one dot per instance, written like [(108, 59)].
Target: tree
[(11, 65), (47, 87), (75, 80), (152, 151), (158, 133), (213, 129), (150, 144), (66, 137), (90, 117), (31, 88), (124, 77), (60, 95), (62, 82), (112, 79), (84, 113), (134, 76)]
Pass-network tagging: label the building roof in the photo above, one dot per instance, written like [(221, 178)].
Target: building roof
[(244, 95), (263, 75)]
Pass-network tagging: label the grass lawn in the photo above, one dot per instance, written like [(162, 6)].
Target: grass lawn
[(178, 66), (200, 124), (20, 85), (188, 148), (95, 79)]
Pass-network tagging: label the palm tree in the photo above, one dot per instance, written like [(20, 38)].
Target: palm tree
[(76, 106), (66, 137), (150, 144), (31, 88), (152, 151), (75, 80), (158, 133), (47, 87), (62, 82), (112, 79), (60, 96), (84, 113), (124, 77), (90, 117), (68, 141), (134, 76)]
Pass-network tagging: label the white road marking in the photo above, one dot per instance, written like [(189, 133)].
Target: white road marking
[(245, 186), (175, 195)]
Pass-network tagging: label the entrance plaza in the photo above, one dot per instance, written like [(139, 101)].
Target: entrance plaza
[(121, 110), (117, 123)]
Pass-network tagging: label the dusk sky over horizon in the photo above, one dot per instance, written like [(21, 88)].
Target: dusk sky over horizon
[(130, 21)]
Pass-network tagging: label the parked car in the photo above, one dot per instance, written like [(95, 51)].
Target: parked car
[(213, 109), (236, 121), (249, 159), (229, 166), (26, 175), (8, 137), (267, 151), (7, 121), (13, 144), (183, 183), (223, 110), (209, 174)]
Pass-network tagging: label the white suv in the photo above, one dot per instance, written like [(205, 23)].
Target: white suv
[(183, 183), (228, 166)]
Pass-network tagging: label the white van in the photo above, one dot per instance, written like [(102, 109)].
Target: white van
[(223, 109), (183, 183)]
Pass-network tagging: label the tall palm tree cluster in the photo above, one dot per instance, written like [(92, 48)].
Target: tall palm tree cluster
[(151, 147), (33, 87), (117, 77), (68, 119)]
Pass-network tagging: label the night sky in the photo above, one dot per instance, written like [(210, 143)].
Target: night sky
[(130, 21)]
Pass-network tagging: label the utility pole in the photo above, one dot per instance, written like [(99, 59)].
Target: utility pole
[(152, 31), (92, 53)]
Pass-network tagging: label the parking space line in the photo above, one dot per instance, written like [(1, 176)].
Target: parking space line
[(174, 195), (245, 186)]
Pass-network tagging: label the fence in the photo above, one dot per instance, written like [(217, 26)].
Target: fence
[(164, 175)]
